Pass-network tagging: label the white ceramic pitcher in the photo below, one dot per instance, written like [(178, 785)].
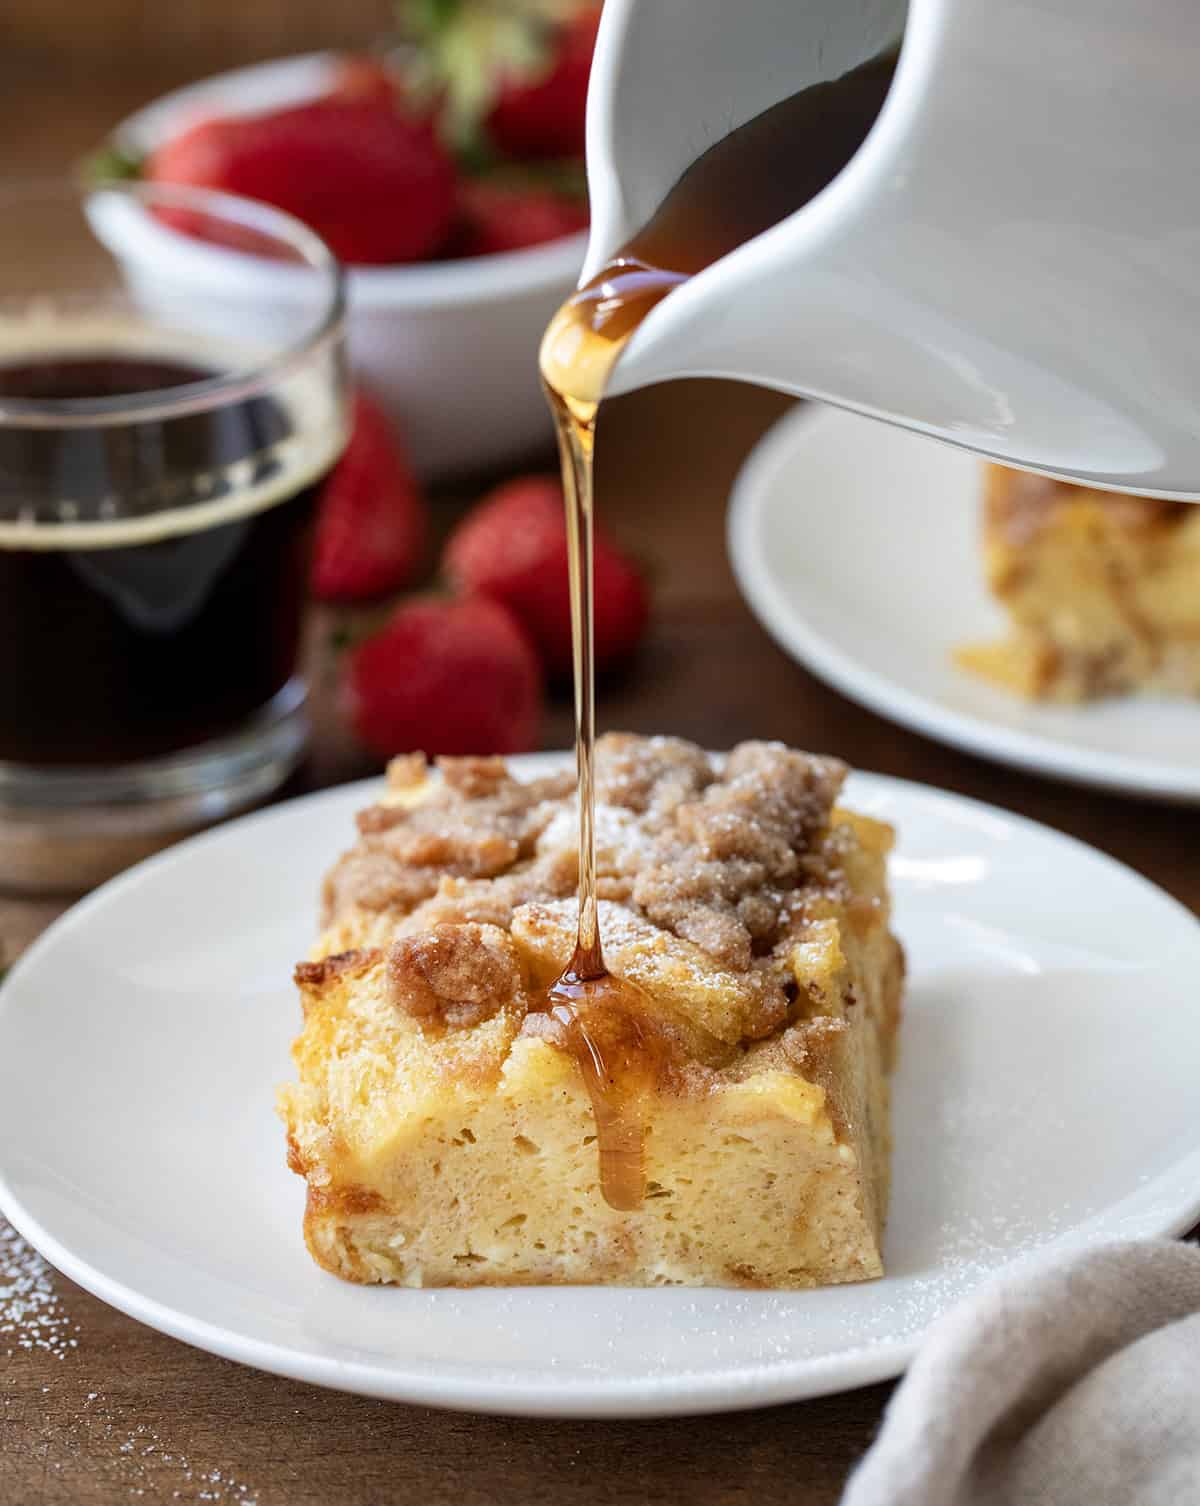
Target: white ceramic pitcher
[(1011, 261)]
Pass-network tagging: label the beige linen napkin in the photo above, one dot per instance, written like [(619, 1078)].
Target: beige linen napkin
[(1069, 1383)]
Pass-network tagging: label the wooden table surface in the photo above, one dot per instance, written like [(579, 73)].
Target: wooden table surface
[(99, 1410)]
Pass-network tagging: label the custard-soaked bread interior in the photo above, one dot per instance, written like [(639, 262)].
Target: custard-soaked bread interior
[(448, 1137), (1102, 590)]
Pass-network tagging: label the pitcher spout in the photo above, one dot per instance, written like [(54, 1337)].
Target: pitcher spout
[(1002, 263)]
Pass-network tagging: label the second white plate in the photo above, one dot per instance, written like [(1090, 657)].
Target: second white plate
[(856, 544), (1046, 1095)]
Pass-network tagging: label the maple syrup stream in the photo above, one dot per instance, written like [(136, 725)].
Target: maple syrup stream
[(755, 177)]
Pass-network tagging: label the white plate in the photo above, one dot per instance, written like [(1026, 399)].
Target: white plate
[(1046, 1094), (856, 544)]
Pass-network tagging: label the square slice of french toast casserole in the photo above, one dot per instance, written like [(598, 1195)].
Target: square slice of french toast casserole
[(1102, 590), (446, 1135)]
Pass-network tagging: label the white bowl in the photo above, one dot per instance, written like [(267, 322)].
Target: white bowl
[(449, 347)]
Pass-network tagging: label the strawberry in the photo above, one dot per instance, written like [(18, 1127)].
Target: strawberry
[(497, 217), (506, 79), (446, 676), (513, 547), (372, 521), (374, 182), (542, 115)]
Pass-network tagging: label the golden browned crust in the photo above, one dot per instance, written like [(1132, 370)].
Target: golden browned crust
[(315, 978), (315, 975)]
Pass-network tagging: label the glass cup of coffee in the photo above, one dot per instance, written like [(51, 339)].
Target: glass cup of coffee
[(172, 390)]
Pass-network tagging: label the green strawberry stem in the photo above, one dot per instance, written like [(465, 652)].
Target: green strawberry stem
[(111, 163), (463, 52)]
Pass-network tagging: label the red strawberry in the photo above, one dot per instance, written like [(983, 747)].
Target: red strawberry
[(372, 523), (372, 181), (497, 217), (446, 677), (513, 547), (544, 116)]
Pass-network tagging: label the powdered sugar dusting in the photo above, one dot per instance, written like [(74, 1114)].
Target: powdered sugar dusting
[(622, 841), (34, 1319), (153, 1470), (31, 1316)]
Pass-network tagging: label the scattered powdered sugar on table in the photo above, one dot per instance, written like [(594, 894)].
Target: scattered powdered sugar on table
[(33, 1318), (158, 1471)]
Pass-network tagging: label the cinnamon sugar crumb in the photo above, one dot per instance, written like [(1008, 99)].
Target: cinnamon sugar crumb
[(720, 863), (712, 855), (475, 777), (649, 775), (406, 771), (405, 850), (454, 975), (493, 901)]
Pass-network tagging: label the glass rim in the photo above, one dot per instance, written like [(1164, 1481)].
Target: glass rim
[(208, 392)]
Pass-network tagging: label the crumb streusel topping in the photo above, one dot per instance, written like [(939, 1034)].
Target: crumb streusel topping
[(721, 857)]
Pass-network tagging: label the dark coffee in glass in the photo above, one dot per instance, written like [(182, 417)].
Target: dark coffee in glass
[(162, 440), (143, 647)]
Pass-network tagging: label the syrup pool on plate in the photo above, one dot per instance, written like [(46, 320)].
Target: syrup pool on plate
[(755, 177)]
